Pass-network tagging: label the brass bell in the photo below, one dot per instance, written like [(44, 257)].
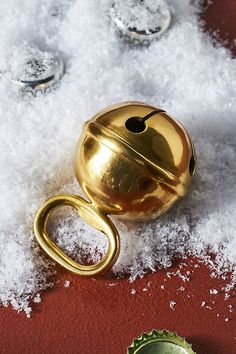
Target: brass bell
[(132, 160)]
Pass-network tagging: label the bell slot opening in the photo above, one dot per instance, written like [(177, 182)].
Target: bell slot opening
[(192, 165), (135, 125)]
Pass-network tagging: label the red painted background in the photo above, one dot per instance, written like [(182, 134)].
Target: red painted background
[(93, 317)]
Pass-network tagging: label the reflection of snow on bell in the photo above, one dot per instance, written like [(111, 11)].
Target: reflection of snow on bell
[(36, 70), (141, 21), (146, 161), (133, 160)]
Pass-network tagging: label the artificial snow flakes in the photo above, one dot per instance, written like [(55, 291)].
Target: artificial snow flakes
[(141, 22), (33, 70), (67, 284), (182, 288), (38, 135), (172, 305), (37, 299)]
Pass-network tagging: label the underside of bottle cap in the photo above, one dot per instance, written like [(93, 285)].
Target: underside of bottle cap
[(160, 342)]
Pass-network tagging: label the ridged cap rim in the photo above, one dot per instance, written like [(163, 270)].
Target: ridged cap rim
[(159, 336)]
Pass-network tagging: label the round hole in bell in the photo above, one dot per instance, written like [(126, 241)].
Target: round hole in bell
[(135, 124), (192, 165), (147, 185)]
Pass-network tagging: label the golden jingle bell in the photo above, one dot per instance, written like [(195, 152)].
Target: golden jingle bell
[(132, 160)]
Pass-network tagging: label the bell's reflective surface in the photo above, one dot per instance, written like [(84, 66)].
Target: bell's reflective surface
[(132, 160)]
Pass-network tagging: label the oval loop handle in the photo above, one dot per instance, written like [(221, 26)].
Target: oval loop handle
[(94, 218)]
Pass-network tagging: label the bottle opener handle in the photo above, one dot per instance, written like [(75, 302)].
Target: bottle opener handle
[(90, 214)]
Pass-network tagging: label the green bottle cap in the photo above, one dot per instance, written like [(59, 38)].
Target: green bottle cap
[(160, 342)]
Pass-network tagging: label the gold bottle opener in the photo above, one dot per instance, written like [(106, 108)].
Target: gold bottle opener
[(132, 160)]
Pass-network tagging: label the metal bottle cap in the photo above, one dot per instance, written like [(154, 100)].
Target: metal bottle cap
[(141, 21), (160, 342), (37, 71)]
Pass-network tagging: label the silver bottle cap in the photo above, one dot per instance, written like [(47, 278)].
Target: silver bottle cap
[(141, 21), (37, 71)]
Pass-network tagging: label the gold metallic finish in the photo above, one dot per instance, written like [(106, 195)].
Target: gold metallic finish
[(93, 217), (160, 342), (132, 160)]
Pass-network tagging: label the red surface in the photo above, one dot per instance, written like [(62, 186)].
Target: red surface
[(220, 20), (92, 317)]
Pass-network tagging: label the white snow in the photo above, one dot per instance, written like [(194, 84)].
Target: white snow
[(141, 15), (67, 284), (183, 73), (172, 305)]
